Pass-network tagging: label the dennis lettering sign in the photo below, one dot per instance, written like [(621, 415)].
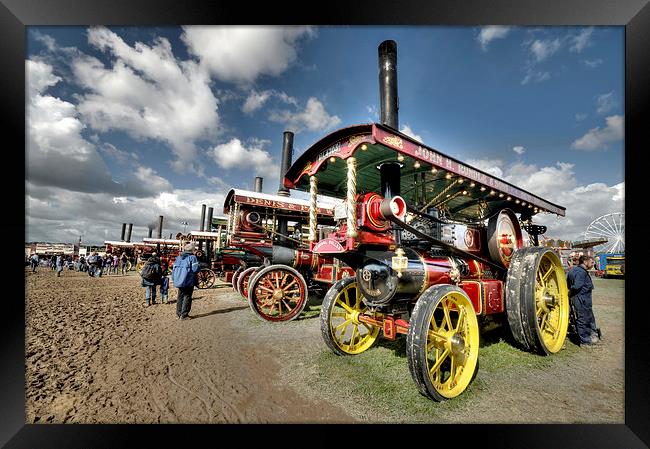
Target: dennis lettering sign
[(275, 204)]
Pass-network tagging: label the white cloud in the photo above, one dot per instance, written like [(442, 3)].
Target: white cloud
[(543, 49), (558, 185), (597, 138), (489, 33), (240, 54), (406, 129), (536, 77), (57, 154), (581, 116), (256, 100), (492, 167), (234, 154), (147, 93), (581, 40), (519, 149), (313, 118), (61, 215), (606, 103), (592, 63)]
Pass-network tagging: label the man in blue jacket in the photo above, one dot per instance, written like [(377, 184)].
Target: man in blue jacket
[(184, 278), (580, 288)]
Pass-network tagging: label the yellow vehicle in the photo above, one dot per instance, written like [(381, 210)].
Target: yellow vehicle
[(611, 265)]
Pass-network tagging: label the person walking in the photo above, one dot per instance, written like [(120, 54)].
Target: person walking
[(164, 286), (124, 260), (60, 261), (184, 278), (580, 287), (115, 263), (33, 260), (151, 274)]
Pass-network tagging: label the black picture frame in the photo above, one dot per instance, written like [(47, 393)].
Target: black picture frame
[(15, 15)]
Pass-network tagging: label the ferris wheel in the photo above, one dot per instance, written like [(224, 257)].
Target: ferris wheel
[(609, 226)]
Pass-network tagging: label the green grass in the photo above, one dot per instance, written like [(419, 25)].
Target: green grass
[(380, 383)]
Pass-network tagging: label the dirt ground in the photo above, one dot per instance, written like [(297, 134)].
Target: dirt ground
[(96, 354)]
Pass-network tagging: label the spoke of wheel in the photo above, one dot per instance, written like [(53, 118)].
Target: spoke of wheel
[(339, 314), (287, 306), (445, 305), (452, 370), (347, 299), (367, 327), (439, 360), (550, 271), (284, 278), (435, 334), (355, 332), (461, 317), (542, 324), (343, 324), (290, 284), (344, 305)]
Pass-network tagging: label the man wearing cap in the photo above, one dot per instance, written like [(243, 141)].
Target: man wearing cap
[(184, 272)]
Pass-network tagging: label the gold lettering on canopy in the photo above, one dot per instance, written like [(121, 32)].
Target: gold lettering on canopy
[(394, 141)]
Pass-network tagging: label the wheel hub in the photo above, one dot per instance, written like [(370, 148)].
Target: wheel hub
[(278, 294)]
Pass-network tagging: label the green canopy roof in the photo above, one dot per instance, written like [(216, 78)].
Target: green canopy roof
[(428, 177)]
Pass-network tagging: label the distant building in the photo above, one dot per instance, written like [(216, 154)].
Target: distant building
[(64, 249)]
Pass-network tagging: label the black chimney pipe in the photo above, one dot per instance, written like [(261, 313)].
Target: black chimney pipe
[(128, 234), (287, 155), (160, 222), (202, 225), (389, 179), (208, 226), (150, 231), (123, 231), (388, 100), (258, 184)]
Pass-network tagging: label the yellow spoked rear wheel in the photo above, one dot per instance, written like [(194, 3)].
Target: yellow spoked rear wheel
[(442, 342), (551, 302), (537, 300), (340, 326)]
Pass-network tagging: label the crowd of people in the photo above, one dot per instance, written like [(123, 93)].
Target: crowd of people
[(154, 274), (95, 265)]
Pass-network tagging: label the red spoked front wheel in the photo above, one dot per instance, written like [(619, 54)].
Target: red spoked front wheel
[(277, 293)]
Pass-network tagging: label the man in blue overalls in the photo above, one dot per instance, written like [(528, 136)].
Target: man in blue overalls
[(580, 287)]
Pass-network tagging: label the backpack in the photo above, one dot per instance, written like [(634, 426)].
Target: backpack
[(182, 274), (149, 273)]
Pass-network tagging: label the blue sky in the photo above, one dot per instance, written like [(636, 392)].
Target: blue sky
[(125, 124)]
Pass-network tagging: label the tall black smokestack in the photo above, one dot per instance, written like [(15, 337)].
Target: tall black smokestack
[(128, 234), (388, 100), (287, 155), (208, 225), (258, 184), (160, 222), (123, 231), (202, 225), (150, 231)]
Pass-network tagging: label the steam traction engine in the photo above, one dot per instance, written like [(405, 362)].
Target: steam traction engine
[(437, 246), (272, 227)]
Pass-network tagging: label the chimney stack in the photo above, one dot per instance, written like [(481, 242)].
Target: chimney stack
[(160, 224), (202, 225), (388, 100), (208, 226), (258, 184), (287, 155), (128, 234), (150, 231), (123, 231)]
